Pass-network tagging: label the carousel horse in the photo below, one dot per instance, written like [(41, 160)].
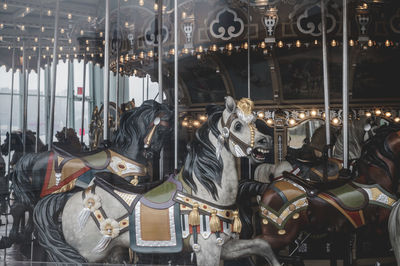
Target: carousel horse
[(312, 151), (194, 210), (96, 123), (17, 145), (294, 203), (67, 139), (58, 170)]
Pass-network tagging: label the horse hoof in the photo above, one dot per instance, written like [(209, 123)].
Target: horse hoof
[(196, 247)]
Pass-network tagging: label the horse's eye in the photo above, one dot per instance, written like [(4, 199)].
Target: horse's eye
[(238, 126)]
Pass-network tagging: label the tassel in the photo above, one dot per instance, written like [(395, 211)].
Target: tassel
[(215, 224), (83, 217), (103, 244), (194, 216), (194, 221), (237, 224)]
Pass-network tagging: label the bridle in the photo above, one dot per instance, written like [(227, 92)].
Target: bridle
[(226, 136), (156, 122)]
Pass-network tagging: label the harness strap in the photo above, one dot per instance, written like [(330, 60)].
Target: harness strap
[(99, 215), (231, 137), (153, 125)]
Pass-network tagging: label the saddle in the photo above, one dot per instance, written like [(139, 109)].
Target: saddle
[(319, 175), (97, 159), (159, 219), (108, 181), (65, 171)]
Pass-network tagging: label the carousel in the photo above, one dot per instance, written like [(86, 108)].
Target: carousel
[(200, 132)]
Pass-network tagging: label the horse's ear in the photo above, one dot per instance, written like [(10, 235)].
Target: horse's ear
[(230, 104)]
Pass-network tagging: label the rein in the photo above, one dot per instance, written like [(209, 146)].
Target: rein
[(226, 136), (156, 122)]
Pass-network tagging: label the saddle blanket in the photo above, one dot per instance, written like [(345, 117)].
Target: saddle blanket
[(352, 198), (65, 179), (65, 171), (155, 230), (154, 225)]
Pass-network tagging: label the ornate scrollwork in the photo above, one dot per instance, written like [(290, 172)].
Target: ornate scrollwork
[(226, 25), (395, 22), (309, 22), (151, 34)]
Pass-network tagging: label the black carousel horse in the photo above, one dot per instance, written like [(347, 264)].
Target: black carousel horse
[(17, 145), (61, 170), (67, 140)]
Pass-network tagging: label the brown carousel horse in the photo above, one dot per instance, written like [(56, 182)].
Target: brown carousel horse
[(297, 202)]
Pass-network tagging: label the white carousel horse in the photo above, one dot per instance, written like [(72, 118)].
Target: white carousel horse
[(202, 201), (360, 130)]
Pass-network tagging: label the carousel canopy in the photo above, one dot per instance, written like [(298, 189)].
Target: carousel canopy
[(219, 41)]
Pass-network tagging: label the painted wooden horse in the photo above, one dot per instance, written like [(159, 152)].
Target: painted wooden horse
[(195, 209), (141, 135), (291, 204)]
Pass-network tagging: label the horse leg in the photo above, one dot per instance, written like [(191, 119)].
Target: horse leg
[(239, 248), (348, 256), (210, 252), (119, 255), (16, 211), (333, 244), (29, 224)]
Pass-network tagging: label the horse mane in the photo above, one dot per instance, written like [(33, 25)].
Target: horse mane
[(201, 159), (134, 123), (378, 143)]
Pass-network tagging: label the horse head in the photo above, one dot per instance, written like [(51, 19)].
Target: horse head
[(144, 130), (228, 133), (239, 131), (16, 142)]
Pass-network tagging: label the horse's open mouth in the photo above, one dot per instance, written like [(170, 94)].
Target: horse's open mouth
[(259, 153)]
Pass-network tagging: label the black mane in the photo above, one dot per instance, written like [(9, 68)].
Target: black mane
[(201, 159), (134, 124)]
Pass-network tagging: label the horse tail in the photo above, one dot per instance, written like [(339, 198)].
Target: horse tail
[(49, 229), (394, 230), (247, 190), (21, 179)]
